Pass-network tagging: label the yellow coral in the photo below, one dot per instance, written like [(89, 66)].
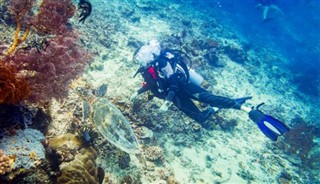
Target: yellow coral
[(4, 163), (33, 155), (69, 140), (17, 41)]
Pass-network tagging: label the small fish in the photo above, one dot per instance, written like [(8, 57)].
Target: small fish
[(86, 136)]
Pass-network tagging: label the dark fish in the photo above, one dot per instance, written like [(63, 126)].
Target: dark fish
[(100, 175), (86, 9), (86, 136)]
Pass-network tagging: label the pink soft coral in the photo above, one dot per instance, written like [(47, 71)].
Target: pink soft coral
[(53, 16), (50, 72)]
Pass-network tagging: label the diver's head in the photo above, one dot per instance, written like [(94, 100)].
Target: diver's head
[(148, 53)]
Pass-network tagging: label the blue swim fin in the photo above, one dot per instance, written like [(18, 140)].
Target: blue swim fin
[(269, 126)]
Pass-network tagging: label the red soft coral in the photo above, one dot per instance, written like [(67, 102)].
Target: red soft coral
[(12, 88), (51, 71)]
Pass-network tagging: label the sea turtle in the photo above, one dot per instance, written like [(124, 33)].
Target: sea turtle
[(109, 121)]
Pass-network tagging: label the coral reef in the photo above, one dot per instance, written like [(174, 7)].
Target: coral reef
[(4, 163), (77, 162), (25, 147), (47, 67)]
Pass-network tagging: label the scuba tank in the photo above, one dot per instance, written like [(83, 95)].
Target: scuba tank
[(179, 58), (195, 78)]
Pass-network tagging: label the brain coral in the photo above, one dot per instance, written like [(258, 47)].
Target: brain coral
[(82, 170)]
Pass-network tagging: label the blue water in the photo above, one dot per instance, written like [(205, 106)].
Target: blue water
[(289, 44), (294, 35)]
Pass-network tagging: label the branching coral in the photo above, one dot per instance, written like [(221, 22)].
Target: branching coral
[(4, 163), (12, 88), (19, 8)]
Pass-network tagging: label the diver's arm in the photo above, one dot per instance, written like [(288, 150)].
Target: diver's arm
[(173, 89), (143, 89), (168, 101)]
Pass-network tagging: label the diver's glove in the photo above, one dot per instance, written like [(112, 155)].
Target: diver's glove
[(165, 106), (134, 96)]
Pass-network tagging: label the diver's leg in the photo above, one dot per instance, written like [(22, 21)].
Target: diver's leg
[(202, 95), (193, 89), (186, 105), (218, 101)]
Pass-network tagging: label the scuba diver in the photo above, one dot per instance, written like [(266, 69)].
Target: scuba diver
[(266, 6), (167, 76)]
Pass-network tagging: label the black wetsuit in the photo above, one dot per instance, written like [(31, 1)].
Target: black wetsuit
[(176, 90)]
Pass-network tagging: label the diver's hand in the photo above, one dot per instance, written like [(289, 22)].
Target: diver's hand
[(134, 96), (165, 106)]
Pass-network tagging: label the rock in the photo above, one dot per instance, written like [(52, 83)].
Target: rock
[(97, 66), (294, 159), (235, 54), (101, 90), (146, 133)]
